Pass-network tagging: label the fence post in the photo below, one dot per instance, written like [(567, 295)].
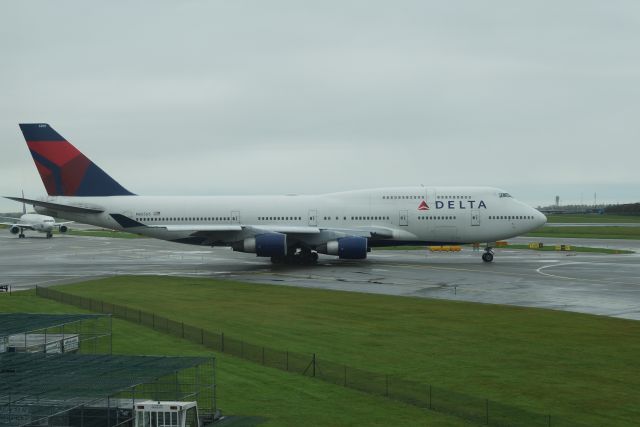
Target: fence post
[(345, 375), (487, 411), (314, 364)]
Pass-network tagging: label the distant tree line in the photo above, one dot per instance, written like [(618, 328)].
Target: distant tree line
[(626, 209)]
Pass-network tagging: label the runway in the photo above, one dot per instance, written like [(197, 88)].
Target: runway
[(597, 284)]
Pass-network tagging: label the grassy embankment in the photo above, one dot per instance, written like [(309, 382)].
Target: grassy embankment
[(587, 232), (578, 366), (592, 218), (544, 248), (244, 388)]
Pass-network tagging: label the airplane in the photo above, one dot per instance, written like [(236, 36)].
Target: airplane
[(35, 222), (289, 229)]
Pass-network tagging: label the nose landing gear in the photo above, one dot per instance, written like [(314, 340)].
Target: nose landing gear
[(487, 256)]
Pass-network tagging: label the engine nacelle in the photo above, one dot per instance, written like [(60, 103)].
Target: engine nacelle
[(269, 244), (346, 248), (14, 230), (64, 228)]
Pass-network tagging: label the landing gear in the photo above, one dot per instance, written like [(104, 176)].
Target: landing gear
[(487, 256), (301, 257), (21, 236), (49, 235)]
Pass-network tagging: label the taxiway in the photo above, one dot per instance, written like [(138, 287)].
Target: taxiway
[(589, 283)]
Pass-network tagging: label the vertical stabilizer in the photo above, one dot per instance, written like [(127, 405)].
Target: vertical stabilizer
[(64, 170)]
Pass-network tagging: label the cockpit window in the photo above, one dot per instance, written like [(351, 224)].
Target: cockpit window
[(504, 194)]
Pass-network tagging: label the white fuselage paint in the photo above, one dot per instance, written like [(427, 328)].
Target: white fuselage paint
[(37, 222), (454, 215)]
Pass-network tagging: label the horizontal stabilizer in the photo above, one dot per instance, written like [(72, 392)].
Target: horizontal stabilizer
[(56, 206)]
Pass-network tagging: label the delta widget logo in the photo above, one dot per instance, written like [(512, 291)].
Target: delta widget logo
[(423, 206)]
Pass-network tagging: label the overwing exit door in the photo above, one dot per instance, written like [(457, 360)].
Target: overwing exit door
[(403, 218), (313, 220)]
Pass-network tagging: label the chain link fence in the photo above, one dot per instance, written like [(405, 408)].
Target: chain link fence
[(471, 408)]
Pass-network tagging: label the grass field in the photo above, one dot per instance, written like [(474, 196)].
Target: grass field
[(573, 249), (578, 366), (587, 232), (104, 233), (593, 218), (247, 389), (522, 247)]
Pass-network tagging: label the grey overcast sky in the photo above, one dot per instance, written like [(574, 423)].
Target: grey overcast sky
[(270, 97)]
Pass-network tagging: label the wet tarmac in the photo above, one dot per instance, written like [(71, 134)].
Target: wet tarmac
[(589, 283)]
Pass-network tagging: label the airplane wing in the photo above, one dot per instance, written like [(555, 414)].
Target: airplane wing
[(11, 218), (17, 224), (202, 230)]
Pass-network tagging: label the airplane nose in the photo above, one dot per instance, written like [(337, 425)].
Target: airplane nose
[(540, 218)]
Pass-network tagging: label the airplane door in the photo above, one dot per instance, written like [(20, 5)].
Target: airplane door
[(235, 217), (431, 197), (475, 217), (313, 217), (404, 218)]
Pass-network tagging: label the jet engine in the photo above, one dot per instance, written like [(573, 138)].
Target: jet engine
[(64, 228), (346, 248), (268, 244), (14, 229)]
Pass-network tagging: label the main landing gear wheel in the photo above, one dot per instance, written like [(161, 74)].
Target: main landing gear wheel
[(21, 236), (303, 257), (487, 256), (49, 235)]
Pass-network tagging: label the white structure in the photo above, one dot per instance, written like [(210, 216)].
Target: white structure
[(151, 413)]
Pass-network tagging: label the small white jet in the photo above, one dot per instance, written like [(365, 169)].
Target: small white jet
[(35, 222), (289, 229)]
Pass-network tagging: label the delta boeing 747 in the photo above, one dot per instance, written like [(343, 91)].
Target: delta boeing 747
[(288, 229)]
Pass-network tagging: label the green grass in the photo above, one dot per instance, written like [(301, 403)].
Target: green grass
[(592, 218), (401, 248), (586, 232), (545, 248), (578, 366), (104, 233), (573, 249), (244, 388)]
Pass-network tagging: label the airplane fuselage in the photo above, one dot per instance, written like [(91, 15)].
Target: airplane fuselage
[(289, 229), (400, 215)]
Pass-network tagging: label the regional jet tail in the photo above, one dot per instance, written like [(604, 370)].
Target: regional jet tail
[(288, 229)]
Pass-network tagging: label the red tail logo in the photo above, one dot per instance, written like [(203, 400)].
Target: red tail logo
[(423, 206)]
